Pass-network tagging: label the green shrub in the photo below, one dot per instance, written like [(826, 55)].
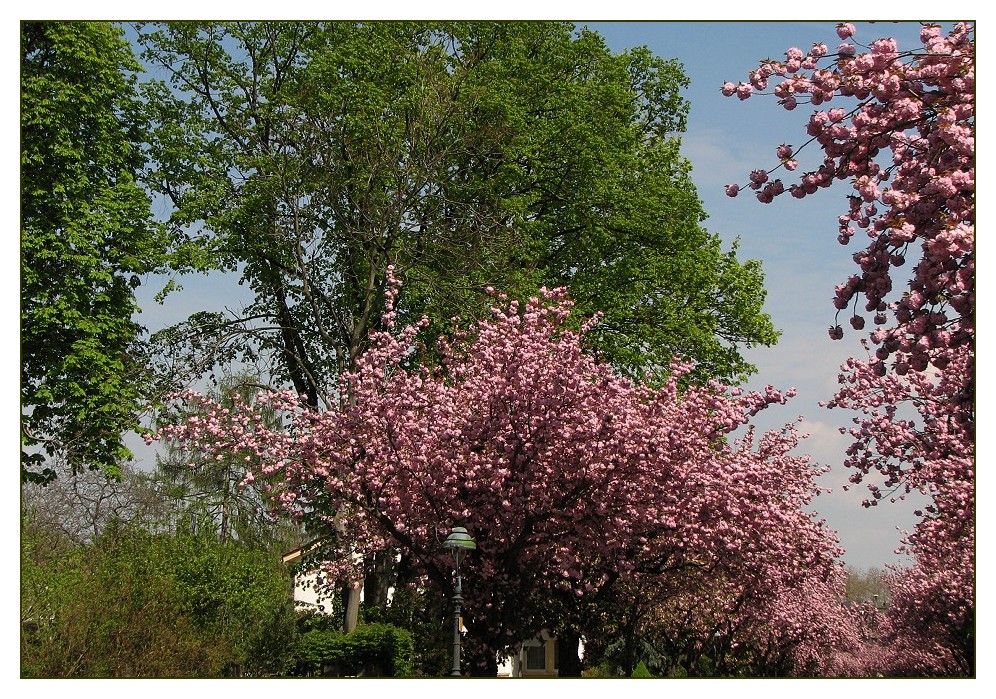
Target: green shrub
[(602, 670), (426, 614), (641, 670), (681, 673), (372, 650), (137, 604)]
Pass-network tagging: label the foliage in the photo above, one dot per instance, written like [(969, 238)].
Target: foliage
[(906, 142), (569, 477), (602, 671), (85, 241), (730, 621), (244, 593), (931, 619), (309, 156), (620, 655), (135, 604), (99, 612), (380, 650), (424, 611)]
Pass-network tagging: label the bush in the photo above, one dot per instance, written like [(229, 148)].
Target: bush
[(136, 604), (641, 670), (372, 650), (425, 614), (602, 670)]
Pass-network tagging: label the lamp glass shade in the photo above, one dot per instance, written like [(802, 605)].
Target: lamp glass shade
[(459, 539)]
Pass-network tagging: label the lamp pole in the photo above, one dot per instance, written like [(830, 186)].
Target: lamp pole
[(457, 601), (458, 541)]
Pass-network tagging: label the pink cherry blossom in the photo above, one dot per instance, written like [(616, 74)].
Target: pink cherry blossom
[(845, 30)]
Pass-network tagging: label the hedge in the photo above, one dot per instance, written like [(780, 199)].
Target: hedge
[(372, 650)]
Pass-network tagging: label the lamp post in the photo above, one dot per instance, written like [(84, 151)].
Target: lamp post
[(715, 654), (458, 541)]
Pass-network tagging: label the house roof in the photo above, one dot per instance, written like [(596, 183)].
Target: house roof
[(300, 551)]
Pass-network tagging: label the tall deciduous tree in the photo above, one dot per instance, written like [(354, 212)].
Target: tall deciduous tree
[(569, 476), (906, 142), (310, 156), (85, 241), (80, 506)]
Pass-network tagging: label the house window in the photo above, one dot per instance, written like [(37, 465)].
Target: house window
[(539, 658), (536, 657)]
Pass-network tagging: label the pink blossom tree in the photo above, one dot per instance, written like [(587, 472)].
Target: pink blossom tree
[(803, 630), (746, 507), (903, 135), (571, 478), (727, 622)]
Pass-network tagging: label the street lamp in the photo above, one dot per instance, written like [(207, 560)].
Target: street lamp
[(459, 541)]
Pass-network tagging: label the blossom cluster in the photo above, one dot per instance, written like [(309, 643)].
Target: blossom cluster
[(908, 149)]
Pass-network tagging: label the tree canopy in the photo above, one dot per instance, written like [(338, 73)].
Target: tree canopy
[(309, 156), (570, 477), (85, 242)]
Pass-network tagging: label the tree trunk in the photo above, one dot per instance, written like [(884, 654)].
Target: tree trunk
[(349, 595), (352, 608), (378, 581), (568, 645)]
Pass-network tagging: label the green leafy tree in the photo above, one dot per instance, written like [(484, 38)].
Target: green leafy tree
[(242, 593), (311, 156), (85, 242)]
